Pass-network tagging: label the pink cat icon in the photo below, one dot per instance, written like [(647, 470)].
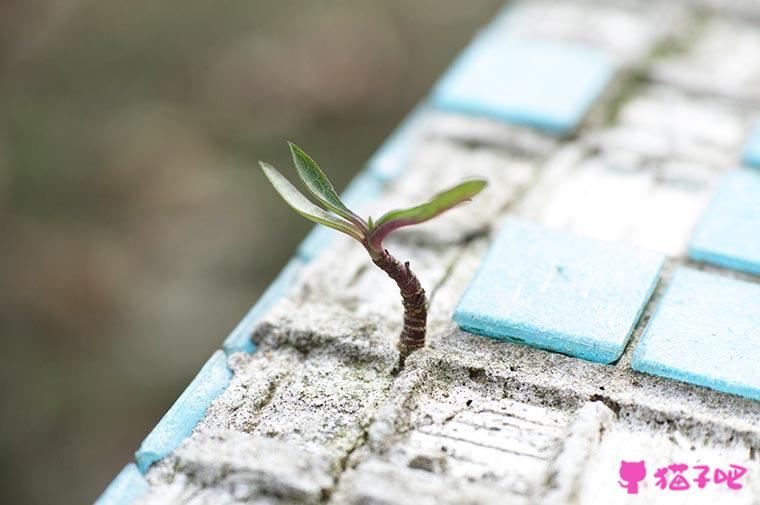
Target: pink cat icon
[(632, 473)]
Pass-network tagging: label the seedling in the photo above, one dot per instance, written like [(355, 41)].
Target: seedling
[(371, 233)]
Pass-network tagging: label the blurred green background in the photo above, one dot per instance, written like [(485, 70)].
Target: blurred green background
[(136, 227)]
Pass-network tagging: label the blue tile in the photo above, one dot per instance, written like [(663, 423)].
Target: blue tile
[(728, 234), (752, 149), (538, 83), (240, 338), (558, 291), (362, 189), (706, 331), (392, 157), (125, 489), (178, 423)]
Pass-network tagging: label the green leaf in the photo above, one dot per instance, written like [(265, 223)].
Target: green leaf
[(440, 203), (320, 186), (304, 206)]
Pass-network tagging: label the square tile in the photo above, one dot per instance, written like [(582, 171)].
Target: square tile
[(728, 234), (706, 331), (559, 291), (752, 148), (531, 82)]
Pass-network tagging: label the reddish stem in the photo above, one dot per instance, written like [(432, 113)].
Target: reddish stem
[(413, 297)]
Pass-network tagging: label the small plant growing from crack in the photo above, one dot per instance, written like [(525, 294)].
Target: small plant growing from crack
[(371, 233)]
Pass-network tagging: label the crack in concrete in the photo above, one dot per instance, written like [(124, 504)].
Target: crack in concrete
[(446, 275), (608, 402), (360, 442), (271, 390)]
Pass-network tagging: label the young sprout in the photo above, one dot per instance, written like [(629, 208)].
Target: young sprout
[(371, 233)]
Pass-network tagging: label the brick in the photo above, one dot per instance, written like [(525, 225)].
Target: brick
[(728, 234), (178, 423), (125, 489), (537, 83), (706, 331), (559, 291), (752, 148), (240, 338)]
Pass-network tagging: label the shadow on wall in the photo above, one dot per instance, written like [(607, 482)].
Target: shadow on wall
[(136, 227)]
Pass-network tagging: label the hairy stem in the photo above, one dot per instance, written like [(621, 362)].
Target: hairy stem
[(413, 297)]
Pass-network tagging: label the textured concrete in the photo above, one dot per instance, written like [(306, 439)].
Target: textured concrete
[(599, 195), (662, 124), (698, 61), (319, 415), (224, 466), (623, 29)]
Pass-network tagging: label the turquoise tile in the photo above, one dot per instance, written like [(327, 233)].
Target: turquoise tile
[(706, 331), (544, 84), (125, 489), (728, 234), (240, 338), (362, 189), (392, 158), (559, 291), (752, 149), (178, 423)]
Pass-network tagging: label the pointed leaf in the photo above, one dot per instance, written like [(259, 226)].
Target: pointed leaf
[(320, 186), (440, 203), (304, 206)]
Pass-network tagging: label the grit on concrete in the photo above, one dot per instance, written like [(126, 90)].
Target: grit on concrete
[(317, 414)]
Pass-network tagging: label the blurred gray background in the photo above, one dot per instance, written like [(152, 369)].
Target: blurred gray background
[(135, 226)]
